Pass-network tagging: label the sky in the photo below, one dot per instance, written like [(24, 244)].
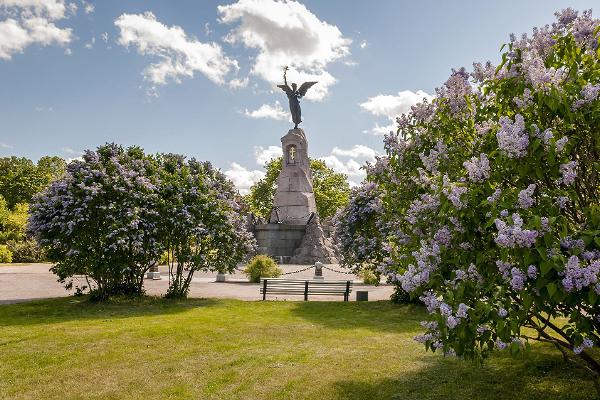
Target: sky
[(199, 77)]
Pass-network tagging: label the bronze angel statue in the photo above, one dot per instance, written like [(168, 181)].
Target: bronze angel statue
[(294, 95)]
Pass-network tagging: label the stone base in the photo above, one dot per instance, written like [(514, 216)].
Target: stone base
[(278, 240), (318, 278), (154, 275), (221, 277)]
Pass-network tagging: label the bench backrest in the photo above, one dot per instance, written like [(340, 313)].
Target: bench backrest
[(305, 287)]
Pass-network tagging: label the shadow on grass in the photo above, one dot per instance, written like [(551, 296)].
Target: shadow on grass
[(541, 374), (374, 315), (81, 309)]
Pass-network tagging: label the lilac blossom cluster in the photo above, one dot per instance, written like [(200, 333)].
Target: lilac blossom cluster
[(512, 137), (588, 94), (579, 274), (525, 199), (568, 173), (478, 168), (514, 235)]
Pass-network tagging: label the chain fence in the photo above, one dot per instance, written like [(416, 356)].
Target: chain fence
[(306, 269)]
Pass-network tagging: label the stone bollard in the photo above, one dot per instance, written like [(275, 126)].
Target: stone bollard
[(153, 273), (362, 295), (318, 271), (221, 277)]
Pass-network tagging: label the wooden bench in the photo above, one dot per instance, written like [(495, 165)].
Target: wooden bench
[(305, 287)]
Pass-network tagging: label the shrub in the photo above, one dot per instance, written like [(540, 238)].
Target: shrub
[(27, 251), (200, 225), (100, 220), (5, 254), (262, 266), (494, 195), (368, 276)]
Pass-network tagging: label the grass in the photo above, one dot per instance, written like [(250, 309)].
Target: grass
[(226, 349)]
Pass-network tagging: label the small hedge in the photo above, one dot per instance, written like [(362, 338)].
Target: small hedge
[(27, 251), (5, 254), (262, 266)]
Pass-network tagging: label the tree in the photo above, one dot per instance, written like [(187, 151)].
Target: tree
[(101, 220), (494, 193), (21, 179), (201, 227), (331, 189)]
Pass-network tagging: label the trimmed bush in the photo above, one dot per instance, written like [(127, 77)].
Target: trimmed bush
[(5, 254), (368, 276), (27, 251), (262, 266)]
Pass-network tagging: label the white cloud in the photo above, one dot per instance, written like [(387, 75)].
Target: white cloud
[(350, 167), (286, 33), (104, 37), (31, 22), (264, 155), (391, 106), (363, 44), (6, 146), (178, 55), (275, 111), (242, 177), (207, 30), (88, 8), (350, 161), (238, 83), (358, 151)]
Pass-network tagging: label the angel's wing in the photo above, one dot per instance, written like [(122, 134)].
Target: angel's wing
[(304, 87), (285, 88)]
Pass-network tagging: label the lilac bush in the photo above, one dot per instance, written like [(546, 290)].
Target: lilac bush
[(494, 195), (118, 210), (201, 227), (101, 220)]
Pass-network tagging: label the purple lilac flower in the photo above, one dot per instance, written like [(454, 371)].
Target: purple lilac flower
[(562, 201), (512, 137), (560, 143), (455, 90), (587, 343), (462, 311), (478, 168), (578, 275), (504, 268), (445, 309), (514, 236), (454, 192), (500, 344), (504, 213), (588, 94), (482, 329), (495, 196), (443, 236), (532, 271), (568, 172), (525, 199), (452, 321), (525, 101), (517, 281), (502, 313), (578, 349), (482, 73)]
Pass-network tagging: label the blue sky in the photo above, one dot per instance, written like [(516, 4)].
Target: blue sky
[(191, 76)]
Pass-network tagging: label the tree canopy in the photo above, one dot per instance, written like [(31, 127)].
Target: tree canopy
[(331, 189)]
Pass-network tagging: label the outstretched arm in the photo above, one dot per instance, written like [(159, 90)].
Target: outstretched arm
[(285, 70)]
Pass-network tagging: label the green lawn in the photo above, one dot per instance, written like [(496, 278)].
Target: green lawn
[(225, 349)]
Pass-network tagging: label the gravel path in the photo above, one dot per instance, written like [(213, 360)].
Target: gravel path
[(24, 282)]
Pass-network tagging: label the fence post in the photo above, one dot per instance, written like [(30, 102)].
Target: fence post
[(305, 290), (264, 289)]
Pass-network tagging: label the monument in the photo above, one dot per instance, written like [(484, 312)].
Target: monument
[(294, 232)]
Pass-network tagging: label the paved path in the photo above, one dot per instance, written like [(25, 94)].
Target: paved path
[(23, 282)]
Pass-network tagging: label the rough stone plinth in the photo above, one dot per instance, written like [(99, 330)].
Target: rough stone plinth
[(315, 247)]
